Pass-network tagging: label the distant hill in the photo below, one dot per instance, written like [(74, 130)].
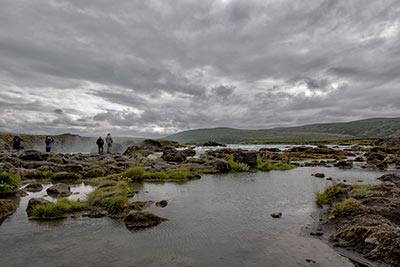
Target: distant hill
[(369, 128)]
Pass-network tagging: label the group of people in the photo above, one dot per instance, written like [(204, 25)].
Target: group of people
[(100, 143), (18, 143)]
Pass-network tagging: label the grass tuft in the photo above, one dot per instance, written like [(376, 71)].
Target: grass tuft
[(58, 209), (9, 184)]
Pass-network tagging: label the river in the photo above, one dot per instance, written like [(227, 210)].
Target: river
[(218, 220)]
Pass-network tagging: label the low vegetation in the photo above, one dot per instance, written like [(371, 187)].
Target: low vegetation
[(9, 184), (268, 166), (137, 174), (59, 209), (112, 196), (331, 193), (348, 206)]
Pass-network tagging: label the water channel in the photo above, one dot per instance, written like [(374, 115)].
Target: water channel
[(218, 220)]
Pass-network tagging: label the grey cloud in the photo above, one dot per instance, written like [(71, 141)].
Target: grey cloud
[(150, 64)]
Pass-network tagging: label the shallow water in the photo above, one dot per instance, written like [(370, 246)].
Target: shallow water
[(219, 220)]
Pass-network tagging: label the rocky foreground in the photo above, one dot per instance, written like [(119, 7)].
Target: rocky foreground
[(364, 219), (155, 160)]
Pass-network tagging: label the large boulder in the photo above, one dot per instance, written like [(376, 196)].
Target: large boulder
[(172, 155), (213, 143), (59, 190), (247, 157), (142, 219), (7, 207), (220, 165), (34, 202)]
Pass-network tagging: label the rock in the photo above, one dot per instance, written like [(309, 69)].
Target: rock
[(142, 219), (319, 175), (59, 190), (162, 203), (34, 202), (213, 143), (220, 165), (317, 233), (344, 164), (247, 157), (276, 214), (33, 155), (391, 177), (376, 156), (21, 193), (329, 179), (172, 155), (34, 187), (7, 207)]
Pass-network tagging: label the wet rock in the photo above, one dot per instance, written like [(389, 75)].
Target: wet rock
[(220, 165), (59, 190), (391, 177), (142, 219), (34, 202), (162, 203), (276, 214), (172, 155), (319, 175), (344, 164), (34, 187), (7, 207), (247, 157), (376, 156), (329, 179), (213, 143)]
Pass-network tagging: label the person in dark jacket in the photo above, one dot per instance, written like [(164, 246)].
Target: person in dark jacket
[(48, 141), (17, 142), (100, 144)]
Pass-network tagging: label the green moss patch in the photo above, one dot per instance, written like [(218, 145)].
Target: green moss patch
[(59, 209), (268, 166), (331, 193)]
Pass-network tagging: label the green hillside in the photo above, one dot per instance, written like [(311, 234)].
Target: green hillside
[(370, 128)]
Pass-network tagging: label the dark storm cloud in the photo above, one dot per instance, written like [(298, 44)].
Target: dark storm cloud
[(156, 67)]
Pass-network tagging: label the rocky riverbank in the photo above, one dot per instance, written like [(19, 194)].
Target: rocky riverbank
[(362, 221), (113, 174)]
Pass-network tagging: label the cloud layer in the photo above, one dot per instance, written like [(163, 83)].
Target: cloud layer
[(156, 67)]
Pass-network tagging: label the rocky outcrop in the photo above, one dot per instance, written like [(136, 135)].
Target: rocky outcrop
[(142, 219), (7, 207), (34, 202), (59, 190), (392, 178), (366, 219)]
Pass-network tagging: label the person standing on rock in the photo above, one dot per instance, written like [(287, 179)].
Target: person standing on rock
[(49, 142), (17, 142), (100, 144), (109, 142)]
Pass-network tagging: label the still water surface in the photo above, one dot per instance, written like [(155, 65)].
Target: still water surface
[(219, 220)]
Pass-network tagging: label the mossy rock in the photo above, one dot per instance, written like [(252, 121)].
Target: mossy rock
[(61, 176)]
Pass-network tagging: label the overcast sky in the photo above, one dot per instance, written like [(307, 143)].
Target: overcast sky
[(147, 68)]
